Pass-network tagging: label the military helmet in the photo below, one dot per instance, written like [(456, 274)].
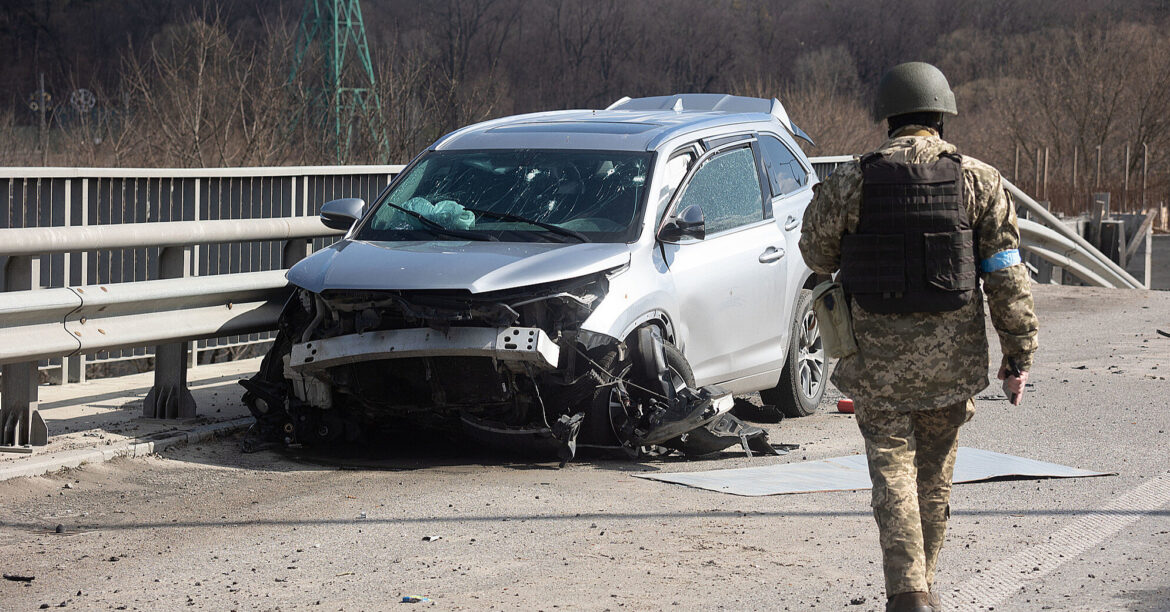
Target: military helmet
[(913, 87)]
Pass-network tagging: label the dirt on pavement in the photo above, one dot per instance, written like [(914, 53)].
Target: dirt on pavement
[(207, 527)]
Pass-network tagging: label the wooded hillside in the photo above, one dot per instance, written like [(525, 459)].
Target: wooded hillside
[(191, 83)]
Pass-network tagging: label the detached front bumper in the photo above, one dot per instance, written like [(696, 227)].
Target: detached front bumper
[(516, 347)]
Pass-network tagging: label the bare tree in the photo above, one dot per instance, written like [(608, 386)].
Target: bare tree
[(470, 37), (14, 150), (211, 101), (823, 100), (409, 116)]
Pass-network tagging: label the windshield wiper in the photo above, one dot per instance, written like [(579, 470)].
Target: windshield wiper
[(438, 228), (556, 229)]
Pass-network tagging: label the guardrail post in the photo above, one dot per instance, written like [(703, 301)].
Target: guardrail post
[(21, 424), (295, 250), (169, 398)]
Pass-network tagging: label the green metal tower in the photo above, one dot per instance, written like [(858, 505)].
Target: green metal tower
[(348, 92)]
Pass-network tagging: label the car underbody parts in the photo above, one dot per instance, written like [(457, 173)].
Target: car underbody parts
[(694, 421), (724, 431), (691, 409), (565, 430), (514, 372)]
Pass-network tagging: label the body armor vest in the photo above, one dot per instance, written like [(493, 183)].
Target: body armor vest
[(914, 249)]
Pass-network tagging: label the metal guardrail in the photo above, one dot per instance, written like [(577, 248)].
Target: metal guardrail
[(84, 320), (90, 234), (1060, 245), (87, 318), (80, 197), (80, 320), (46, 240)]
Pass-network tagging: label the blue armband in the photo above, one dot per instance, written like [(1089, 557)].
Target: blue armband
[(1001, 260)]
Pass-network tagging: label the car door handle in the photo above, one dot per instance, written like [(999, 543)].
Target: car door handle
[(791, 223), (771, 254)]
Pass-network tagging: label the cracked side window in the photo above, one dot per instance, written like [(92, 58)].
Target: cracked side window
[(727, 188)]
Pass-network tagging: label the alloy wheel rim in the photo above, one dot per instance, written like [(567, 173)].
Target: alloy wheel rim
[(810, 359)]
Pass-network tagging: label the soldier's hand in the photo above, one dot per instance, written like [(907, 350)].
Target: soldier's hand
[(1013, 385)]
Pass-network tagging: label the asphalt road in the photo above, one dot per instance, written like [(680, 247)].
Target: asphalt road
[(207, 527)]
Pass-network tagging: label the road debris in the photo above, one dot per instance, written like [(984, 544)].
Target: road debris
[(415, 599), (17, 578), (431, 538)]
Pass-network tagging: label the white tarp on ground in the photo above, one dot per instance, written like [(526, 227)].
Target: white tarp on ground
[(851, 473)]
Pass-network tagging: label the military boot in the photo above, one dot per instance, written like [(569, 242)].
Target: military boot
[(915, 601), (935, 602)]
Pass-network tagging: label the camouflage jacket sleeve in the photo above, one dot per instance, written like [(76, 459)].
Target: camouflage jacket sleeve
[(833, 210), (1005, 279)]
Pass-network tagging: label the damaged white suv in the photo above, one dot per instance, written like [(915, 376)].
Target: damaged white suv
[(595, 278)]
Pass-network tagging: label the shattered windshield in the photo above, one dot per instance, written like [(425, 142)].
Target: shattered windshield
[(516, 196)]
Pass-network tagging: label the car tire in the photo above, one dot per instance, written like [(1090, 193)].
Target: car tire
[(805, 375)]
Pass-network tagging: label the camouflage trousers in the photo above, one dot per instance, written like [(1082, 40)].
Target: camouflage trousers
[(911, 461)]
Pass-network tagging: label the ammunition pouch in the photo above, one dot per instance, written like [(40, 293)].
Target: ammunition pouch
[(834, 319)]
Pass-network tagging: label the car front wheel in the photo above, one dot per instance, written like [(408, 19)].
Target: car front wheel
[(805, 374)]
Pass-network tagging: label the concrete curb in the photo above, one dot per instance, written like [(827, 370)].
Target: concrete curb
[(129, 448)]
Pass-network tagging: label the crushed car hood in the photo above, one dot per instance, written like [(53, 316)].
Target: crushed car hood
[(477, 267)]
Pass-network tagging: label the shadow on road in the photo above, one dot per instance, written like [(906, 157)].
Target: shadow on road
[(1152, 600), (410, 451)]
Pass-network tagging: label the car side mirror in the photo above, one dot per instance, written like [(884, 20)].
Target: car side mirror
[(342, 214), (689, 223)]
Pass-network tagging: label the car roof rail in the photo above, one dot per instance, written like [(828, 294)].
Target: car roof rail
[(699, 102)]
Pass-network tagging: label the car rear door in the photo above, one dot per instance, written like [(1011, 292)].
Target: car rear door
[(788, 181)]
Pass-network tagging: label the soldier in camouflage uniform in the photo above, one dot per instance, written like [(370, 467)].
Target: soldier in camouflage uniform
[(915, 373)]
